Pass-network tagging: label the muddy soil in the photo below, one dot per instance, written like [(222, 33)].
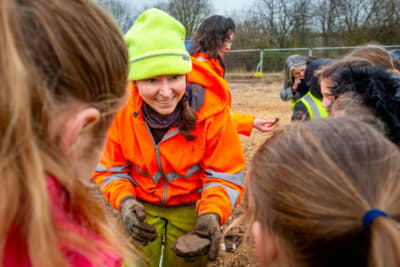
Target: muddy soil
[(260, 97)]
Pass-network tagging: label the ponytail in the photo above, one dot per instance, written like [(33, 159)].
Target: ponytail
[(385, 243), (189, 119)]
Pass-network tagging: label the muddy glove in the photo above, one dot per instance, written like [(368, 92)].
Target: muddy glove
[(203, 240), (133, 215)]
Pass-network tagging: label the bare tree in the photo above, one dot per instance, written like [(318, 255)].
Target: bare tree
[(189, 12), (326, 17), (285, 22), (353, 19), (123, 11)]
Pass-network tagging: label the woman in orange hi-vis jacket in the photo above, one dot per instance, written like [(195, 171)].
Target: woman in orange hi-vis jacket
[(211, 41), (173, 163)]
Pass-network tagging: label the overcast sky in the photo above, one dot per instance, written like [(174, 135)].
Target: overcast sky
[(222, 6)]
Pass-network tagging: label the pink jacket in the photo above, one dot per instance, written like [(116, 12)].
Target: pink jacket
[(16, 251)]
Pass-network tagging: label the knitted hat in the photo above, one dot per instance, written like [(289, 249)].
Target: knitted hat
[(156, 46)]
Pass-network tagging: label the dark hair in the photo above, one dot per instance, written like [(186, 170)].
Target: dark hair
[(189, 119), (395, 55), (311, 77), (380, 92), (211, 35)]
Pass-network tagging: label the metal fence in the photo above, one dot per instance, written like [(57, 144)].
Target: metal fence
[(270, 61)]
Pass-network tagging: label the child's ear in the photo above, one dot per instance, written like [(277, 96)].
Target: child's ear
[(76, 124), (266, 244)]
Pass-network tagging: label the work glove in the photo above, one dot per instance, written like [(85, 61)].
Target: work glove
[(203, 240), (133, 215)]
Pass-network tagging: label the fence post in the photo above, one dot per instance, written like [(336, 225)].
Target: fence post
[(310, 52), (259, 67)]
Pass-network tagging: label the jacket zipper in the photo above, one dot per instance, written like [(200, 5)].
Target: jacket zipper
[(159, 166)]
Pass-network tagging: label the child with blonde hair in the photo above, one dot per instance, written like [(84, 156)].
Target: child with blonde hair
[(341, 208), (63, 74)]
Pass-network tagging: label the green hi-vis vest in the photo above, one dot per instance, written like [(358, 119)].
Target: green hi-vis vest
[(313, 105)]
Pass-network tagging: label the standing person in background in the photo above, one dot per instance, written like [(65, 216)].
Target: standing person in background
[(57, 104), (211, 41), (173, 163), (341, 208), (309, 106), (294, 86)]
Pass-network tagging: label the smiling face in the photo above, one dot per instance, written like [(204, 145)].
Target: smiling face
[(298, 72), (162, 93)]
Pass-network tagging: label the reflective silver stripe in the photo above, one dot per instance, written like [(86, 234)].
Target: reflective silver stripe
[(156, 177), (314, 108), (172, 176), (170, 135), (232, 193), (201, 59), (159, 55), (101, 168), (191, 171), (236, 178), (107, 180)]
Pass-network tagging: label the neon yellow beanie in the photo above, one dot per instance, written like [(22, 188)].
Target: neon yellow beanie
[(156, 46)]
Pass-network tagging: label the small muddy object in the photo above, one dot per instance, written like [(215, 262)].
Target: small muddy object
[(232, 241), (191, 245), (275, 121)]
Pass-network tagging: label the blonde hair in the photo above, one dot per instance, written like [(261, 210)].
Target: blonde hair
[(53, 52), (316, 203), (376, 55)]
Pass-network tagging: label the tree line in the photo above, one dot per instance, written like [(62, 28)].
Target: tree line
[(286, 23)]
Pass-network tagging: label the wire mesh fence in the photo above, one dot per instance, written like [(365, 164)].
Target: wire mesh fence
[(272, 61)]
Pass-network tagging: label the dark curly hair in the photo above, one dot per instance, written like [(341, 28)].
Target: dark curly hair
[(211, 35), (380, 92)]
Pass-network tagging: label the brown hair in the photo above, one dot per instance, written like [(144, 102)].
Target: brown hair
[(53, 52), (350, 105), (348, 62), (316, 203), (211, 35), (376, 55), (189, 119)]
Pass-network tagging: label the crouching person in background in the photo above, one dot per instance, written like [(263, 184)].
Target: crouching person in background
[(173, 163), (309, 106)]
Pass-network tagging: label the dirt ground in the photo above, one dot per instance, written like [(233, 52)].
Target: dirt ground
[(260, 97)]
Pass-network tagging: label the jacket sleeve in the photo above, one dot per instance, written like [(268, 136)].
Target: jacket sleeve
[(243, 122), (300, 112), (223, 164), (113, 173)]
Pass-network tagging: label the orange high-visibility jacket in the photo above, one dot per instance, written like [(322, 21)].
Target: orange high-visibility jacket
[(207, 170), (243, 122)]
